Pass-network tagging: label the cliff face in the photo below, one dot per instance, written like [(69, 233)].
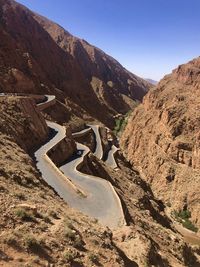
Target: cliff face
[(38, 56), (20, 119), (63, 150), (162, 138)]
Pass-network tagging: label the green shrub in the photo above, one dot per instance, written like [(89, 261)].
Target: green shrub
[(93, 258), (121, 123), (183, 216), (70, 255), (69, 233), (32, 243), (189, 225), (24, 215), (53, 214), (78, 242)]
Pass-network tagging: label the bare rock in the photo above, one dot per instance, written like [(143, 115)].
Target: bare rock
[(162, 139)]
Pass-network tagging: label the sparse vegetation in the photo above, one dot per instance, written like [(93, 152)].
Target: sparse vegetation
[(93, 258), (70, 255), (53, 214), (24, 215), (120, 123), (78, 242), (46, 219), (69, 233), (189, 225), (183, 216), (2, 188), (81, 193), (20, 196), (168, 204), (10, 240), (32, 243), (68, 224)]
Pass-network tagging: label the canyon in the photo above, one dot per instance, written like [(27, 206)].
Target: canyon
[(72, 193), (25, 196)]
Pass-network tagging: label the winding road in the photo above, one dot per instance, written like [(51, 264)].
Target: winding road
[(94, 196), (49, 100), (102, 202), (111, 157), (99, 149)]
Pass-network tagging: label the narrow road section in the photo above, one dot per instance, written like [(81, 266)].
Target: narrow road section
[(50, 173), (102, 202), (99, 149), (110, 161)]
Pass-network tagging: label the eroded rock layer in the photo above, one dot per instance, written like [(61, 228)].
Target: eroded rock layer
[(163, 138)]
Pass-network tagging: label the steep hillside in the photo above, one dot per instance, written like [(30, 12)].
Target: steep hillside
[(31, 61), (17, 113), (162, 138), (149, 239), (39, 229), (110, 81)]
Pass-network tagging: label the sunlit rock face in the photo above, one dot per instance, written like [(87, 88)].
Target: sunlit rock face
[(163, 138)]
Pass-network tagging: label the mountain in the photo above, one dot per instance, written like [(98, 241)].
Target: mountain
[(52, 216), (106, 76), (162, 139), (39, 56), (152, 81)]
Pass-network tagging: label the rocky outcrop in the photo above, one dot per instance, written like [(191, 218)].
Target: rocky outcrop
[(162, 138), (20, 118), (63, 150), (88, 139)]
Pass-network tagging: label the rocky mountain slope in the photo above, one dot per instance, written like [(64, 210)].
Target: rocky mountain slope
[(152, 81), (112, 83), (38, 56), (37, 228), (162, 138)]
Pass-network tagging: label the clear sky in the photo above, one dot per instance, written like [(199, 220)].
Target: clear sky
[(148, 37)]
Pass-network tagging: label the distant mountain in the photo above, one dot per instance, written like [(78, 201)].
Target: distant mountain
[(152, 81)]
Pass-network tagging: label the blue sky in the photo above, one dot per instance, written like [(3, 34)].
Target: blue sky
[(148, 37)]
